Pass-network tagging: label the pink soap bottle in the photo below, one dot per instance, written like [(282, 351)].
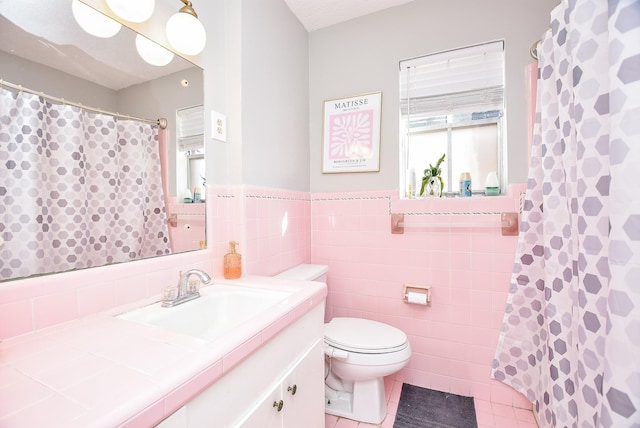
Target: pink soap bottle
[(232, 262)]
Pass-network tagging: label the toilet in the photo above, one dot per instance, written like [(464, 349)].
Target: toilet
[(359, 353)]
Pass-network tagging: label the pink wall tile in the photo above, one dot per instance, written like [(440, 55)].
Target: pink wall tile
[(96, 298), (15, 318), (131, 289), (55, 308), (468, 268), (14, 291), (277, 234)]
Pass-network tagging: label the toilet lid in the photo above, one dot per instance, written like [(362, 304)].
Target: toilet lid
[(364, 336)]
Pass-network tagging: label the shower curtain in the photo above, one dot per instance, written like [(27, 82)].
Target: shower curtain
[(78, 189), (571, 334)]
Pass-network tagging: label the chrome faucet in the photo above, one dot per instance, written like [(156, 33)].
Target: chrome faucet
[(184, 293)]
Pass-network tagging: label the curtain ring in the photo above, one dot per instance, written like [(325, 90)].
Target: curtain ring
[(162, 123), (534, 50)]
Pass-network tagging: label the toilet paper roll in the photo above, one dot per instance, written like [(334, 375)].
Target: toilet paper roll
[(419, 298)]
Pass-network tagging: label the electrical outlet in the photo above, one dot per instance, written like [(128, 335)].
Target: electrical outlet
[(218, 126)]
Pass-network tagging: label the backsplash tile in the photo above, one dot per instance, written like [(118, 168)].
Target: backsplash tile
[(53, 309), (16, 318)]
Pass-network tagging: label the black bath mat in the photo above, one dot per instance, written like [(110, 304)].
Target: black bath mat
[(426, 408)]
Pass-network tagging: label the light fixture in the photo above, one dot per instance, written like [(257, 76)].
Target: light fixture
[(152, 52), (93, 22), (132, 10), (185, 32)]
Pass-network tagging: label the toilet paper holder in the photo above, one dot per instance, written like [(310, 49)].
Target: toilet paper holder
[(417, 294)]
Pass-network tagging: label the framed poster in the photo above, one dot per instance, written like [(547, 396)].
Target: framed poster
[(351, 134)]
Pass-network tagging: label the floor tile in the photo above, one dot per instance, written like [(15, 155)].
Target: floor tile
[(488, 414)]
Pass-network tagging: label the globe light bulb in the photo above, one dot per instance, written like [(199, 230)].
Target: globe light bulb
[(152, 52), (132, 10), (94, 22), (186, 33)]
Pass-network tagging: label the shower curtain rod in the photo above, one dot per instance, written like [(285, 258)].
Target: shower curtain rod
[(533, 51), (162, 122)]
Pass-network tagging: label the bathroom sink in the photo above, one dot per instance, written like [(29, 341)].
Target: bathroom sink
[(219, 309)]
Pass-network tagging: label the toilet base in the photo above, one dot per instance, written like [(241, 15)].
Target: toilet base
[(365, 404)]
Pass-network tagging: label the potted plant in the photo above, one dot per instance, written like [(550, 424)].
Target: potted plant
[(432, 183)]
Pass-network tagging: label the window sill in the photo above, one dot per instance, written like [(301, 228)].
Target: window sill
[(454, 195), (478, 204)]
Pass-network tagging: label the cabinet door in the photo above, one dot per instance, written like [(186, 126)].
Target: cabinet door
[(268, 413), (303, 391), (298, 398)]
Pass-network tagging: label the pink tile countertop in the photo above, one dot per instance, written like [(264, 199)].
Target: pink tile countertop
[(101, 371)]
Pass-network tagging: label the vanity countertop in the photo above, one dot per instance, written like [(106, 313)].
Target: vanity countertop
[(101, 371)]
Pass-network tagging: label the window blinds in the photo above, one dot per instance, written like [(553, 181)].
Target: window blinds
[(190, 128), (461, 81)]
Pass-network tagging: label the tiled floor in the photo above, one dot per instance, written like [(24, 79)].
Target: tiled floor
[(488, 415)]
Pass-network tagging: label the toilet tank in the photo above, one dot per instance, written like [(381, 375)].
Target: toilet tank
[(306, 272)]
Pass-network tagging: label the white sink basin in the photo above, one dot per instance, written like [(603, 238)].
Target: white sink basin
[(219, 309)]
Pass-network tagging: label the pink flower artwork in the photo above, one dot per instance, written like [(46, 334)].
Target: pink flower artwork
[(351, 135)]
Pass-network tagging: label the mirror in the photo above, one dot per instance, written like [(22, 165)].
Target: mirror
[(42, 48)]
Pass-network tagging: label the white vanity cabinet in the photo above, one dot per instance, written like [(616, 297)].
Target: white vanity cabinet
[(244, 396), (294, 400)]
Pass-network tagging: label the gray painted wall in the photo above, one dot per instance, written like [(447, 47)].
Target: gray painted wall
[(256, 73), (362, 55), (52, 82), (275, 96)]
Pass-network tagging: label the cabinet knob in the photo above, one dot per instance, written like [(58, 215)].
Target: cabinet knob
[(293, 389), (278, 404)]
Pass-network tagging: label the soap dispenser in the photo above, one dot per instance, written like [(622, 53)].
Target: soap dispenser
[(232, 262)]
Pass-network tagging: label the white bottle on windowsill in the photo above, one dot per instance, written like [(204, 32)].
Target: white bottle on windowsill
[(187, 197), (492, 187)]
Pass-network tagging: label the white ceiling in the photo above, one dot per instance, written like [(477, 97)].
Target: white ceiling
[(316, 14)]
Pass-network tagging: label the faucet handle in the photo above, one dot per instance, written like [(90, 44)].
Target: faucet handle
[(193, 285), (170, 293)]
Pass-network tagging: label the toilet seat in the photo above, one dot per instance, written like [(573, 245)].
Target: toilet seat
[(364, 336)]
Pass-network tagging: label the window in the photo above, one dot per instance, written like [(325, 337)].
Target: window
[(452, 103), (190, 136)]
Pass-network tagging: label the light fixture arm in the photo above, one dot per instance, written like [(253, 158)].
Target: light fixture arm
[(185, 32), (188, 8)]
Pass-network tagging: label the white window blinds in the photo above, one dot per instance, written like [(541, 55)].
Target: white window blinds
[(462, 81), (190, 128)]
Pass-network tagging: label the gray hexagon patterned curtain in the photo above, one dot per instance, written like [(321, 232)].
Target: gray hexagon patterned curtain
[(78, 189), (571, 333)]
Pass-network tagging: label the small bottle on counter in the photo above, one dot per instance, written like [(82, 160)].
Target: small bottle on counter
[(232, 262), (465, 184), (196, 195)]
